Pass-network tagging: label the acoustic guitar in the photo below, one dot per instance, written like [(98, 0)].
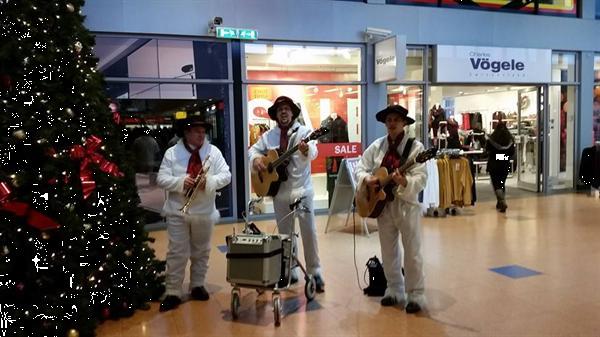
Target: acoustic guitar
[(266, 183), (370, 200)]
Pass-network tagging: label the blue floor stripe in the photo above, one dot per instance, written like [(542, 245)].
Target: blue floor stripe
[(515, 271)]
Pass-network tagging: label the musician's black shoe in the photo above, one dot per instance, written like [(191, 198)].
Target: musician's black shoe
[(412, 308), (319, 283), (200, 294), (169, 303)]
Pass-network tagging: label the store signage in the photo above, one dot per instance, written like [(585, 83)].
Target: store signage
[(491, 64), (390, 59), (236, 33), (339, 149)]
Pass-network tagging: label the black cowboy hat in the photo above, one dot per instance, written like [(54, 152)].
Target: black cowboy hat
[(397, 109), (284, 100), (183, 124)]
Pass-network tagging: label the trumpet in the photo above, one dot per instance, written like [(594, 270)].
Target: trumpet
[(190, 193)]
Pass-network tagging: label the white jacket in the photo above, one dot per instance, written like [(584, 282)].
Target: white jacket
[(299, 182), (173, 171), (416, 176)]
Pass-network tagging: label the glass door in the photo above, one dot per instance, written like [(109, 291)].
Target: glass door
[(528, 138)]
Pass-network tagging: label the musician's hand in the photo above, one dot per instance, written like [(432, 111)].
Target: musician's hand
[(259, 165), (399, 178), (303, 147), (372, 181), (188, 183), (202, 183)]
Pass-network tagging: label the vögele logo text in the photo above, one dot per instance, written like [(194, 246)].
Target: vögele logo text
[(385, 60), (496, 66)]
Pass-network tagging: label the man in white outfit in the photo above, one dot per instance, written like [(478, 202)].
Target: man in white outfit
[(190, 233), (285, 135), (400, 217)]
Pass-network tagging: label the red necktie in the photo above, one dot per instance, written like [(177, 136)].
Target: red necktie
[(194, 164), (283, 139), (391, 160)]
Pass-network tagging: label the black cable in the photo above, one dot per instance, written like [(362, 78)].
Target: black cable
[(354, 245)]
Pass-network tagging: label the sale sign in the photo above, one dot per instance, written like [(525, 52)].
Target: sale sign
[(339, 149)]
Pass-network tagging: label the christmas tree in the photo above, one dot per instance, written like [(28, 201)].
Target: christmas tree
[(73, 250)]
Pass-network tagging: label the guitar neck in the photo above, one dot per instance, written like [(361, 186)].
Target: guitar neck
[(287, 154)]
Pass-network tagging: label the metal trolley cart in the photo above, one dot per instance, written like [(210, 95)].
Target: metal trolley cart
[(264, 262)]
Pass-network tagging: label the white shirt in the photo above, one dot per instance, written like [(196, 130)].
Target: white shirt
[(173, 171)]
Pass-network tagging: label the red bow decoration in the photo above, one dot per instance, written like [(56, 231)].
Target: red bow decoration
[(34, 218), (88, 155), (116, 117)]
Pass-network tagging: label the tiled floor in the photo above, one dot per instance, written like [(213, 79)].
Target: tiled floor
[(558, 236)]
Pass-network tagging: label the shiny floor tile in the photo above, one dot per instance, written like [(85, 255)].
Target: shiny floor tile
[(556, 235)]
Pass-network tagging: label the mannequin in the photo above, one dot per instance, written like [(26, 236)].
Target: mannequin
[(436, 115)]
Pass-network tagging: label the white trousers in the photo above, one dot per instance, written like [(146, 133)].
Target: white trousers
[(308, 229), (402, 223), (189, 238)]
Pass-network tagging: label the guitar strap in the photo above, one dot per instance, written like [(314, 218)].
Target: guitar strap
[(407, 148)]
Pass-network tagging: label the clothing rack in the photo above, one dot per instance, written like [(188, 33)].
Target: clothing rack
[(449, 206), (595, 192), (589, 171)]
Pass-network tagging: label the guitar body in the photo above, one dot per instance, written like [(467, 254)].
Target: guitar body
[(267, 183), (370, 200)]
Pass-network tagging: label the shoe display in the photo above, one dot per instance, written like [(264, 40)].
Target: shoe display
[(413, 307), (200, 294), (388, 301), (170, 302), (319, 283)]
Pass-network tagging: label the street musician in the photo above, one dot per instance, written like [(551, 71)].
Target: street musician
[(191, 172)]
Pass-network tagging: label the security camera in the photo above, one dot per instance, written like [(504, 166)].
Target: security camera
[(212, 23), (376, 33)]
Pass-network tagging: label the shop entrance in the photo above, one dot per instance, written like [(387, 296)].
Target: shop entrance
[(471, 113), (528, 151)]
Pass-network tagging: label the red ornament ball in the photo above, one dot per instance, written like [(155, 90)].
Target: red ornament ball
[(5, 81)]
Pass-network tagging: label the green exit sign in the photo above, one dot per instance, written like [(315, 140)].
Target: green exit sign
[(236, 33)]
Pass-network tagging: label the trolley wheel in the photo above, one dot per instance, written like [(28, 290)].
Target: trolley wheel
[(310, 288), (277, 310), (235, 304)]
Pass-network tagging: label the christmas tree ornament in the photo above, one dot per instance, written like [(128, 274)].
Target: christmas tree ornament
[(45, 236), (128, 252), (73, 333), (69, 112), (78, 47), (70, 8), (5, 82), (105, 313), (19, 134)]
